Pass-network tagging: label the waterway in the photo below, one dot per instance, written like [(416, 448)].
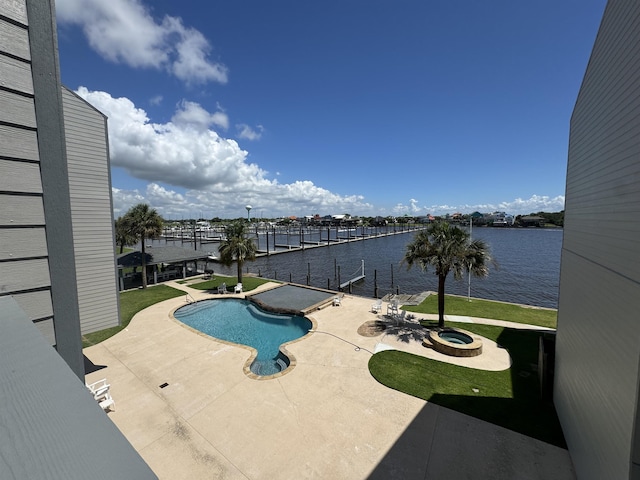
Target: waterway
[(526, 271)]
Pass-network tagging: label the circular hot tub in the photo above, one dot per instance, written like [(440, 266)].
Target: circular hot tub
[(455, 342)]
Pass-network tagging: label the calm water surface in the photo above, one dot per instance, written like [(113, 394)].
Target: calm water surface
[(527, 271)]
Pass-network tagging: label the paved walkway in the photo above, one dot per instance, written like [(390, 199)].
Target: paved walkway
[(327, 418)]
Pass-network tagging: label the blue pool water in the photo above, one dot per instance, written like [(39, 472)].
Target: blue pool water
[(240, 321)]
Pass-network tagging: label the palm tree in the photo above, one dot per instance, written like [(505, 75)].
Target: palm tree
[(144, 222), (447, 248), (237, 246), (123, 233)]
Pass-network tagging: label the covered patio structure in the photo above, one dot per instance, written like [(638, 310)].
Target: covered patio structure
[(163, 263)]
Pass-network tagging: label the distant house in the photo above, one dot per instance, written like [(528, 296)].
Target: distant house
[(379, 221), (501, 219), (532, 221)]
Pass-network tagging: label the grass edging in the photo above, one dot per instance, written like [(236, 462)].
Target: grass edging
[(455, 305), (248, 283), (131, 302)]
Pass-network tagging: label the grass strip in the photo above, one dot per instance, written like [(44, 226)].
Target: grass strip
[(454, 305), (131, 302), (248, 283), (510, 398)]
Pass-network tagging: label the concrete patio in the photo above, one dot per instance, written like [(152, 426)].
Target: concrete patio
[(326, 418)]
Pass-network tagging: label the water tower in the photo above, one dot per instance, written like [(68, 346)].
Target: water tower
[(248, 207)]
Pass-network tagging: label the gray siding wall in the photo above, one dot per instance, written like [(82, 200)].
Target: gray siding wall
[(598, 342), (24, 267), (90, 189)]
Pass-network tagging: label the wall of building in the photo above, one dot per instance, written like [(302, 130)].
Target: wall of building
[(37, 264), (598, 341), (24, 267), (92, 213)]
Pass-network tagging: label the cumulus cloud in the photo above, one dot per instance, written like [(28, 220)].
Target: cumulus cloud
[(245, 132), (519, 206), (192, 114), (124, 31), (200, 170)]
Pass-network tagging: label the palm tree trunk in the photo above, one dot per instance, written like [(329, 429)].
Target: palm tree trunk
[(239, 271), (144, 266), (441, 279)]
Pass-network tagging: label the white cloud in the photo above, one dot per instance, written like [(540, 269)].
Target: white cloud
[(123, 200), (192, 114), (124, 31), (157, 100), (213, 171), (519, 206), (247, 133)]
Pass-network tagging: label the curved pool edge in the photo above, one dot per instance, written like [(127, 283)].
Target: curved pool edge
[(253, 353), (441, 345)]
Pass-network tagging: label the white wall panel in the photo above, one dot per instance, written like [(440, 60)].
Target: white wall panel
[(21, 210), (598, 341), (14, 40), (15, 10)]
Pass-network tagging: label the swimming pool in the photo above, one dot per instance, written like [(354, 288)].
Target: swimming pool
[(240, 321)]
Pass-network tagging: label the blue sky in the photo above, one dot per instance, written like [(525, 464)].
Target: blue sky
[(361, 107)]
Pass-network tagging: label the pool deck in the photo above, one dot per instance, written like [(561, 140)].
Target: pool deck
[(327, 418)]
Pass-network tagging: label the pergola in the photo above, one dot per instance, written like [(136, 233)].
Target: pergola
[(166, 263)]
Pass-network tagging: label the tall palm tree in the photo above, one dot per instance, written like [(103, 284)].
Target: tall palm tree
[(123, 233), (447, 248), (144, 222), (237, 246)]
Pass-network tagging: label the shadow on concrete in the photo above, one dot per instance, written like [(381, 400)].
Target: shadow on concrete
[(465, 436), (443, 444), (90, 367)]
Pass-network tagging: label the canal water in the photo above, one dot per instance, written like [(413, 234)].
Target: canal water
[(527, 266)]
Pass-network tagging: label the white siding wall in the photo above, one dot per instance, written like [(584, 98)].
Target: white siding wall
[(24, 269), (598, 343), (90, 189)]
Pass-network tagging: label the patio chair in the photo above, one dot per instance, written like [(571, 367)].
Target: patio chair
[(222, 289), (377, 306), (237, 288), (392, 308), (102, 395)]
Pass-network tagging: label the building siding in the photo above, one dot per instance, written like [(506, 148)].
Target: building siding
[(17, 109), (15, 75), (14, 40), (90, 192), (20, 177), (598, 340), (15, 10), (24, 268)]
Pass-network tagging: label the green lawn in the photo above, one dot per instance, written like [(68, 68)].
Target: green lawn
[(454, 305), (510, 398), (131, 302), (248, 283)]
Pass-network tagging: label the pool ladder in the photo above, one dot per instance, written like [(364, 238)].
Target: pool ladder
[(189, 298)]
